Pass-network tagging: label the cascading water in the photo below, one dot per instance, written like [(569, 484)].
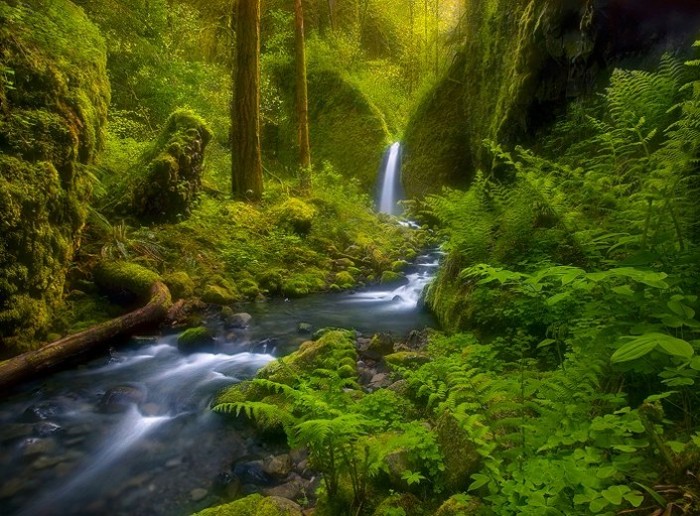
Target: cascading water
[(390, 187)]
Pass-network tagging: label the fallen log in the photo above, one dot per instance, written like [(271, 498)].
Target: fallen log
[(49, 357)]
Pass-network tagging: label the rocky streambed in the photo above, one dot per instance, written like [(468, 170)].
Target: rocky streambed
[(131, 432)]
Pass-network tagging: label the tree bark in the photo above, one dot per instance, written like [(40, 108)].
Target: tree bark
[(33, 363), (302, 99), (246, 159)]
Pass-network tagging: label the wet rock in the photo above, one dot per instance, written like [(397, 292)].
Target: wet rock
[(16, 431), (37, 446), (264, 346), (120, 398), (289, 490), (41, 412), (198, 494), (381, 344), (304, 328), (277, 466), (11, 487), (252, 473), (365, 375), (46, 428), (79, 430), (195, 340), (299, 454), (47, 462), (173, 463), (378, 381), (239, 320)]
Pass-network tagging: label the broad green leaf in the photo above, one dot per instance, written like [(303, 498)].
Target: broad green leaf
[(632, 350), (695, 363), (624, 290), (673, 346), (598, 505), (479, 481), (635, 498), (662, 396), (606, 472), (681, 310), (614, 494), (545, 343), (557, 298)]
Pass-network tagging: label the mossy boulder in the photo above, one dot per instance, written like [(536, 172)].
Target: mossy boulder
[(392, 278), (302, 284), (392, 505), (124, 280), (296, 215), (54, 96), (173, 176), (344, 279), (461, 456), (195, 339), (459, 505), (219, 295), (255, 505), (180, 284), (406, 359)]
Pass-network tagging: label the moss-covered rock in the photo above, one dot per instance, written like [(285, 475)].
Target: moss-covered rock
[(296, 215), (54, 96), (255, 505), (344, 279), (404, 359), (301, 284), (219, 295), (392, 505), (461, 456), (459, 505), (123, 280), (391, 277), (180, 284), (195, 339), (173, 176)]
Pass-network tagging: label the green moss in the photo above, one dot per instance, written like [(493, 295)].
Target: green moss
[(461, 456), (50, 129), (116, 277), (219, 295), (399, 265), (180, 284), (344, 279), (391, 277), (296, 215), (304, 283), (254, 505), (398, 504), (194, 339), (459, 505)]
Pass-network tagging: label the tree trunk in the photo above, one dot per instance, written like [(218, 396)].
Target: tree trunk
[(51, 356), (302, 97), (246, 160)]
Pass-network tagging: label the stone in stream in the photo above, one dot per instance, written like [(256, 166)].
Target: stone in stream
[(239, 320), (42, 411), (120, 398), (37, 446), (198, 494), (304, 328), (277, 466), (252, 473), (46, 428)]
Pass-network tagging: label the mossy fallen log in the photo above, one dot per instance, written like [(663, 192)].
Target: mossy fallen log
[(51, 356)]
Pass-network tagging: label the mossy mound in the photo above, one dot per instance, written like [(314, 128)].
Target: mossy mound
[(219, 295), (180, 284), (124, 279), (173, 176), (296, 215), (255, 505), (461, 456), (459, 505), (54, 96), (394, 504), (195, 339)]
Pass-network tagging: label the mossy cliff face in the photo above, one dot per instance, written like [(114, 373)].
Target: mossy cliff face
[(54, 95), (346, 128), (519, 65)]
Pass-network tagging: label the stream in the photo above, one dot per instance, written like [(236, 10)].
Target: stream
[(69, 444)]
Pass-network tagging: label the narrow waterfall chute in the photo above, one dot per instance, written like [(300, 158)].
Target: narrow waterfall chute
[(390, 186)]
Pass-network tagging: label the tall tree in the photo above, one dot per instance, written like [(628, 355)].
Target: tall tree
[(302, 96), (246, 160)]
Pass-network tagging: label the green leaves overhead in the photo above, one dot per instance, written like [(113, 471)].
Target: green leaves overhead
[(645, 344)]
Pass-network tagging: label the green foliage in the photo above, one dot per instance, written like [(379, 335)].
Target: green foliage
[(117, 276)]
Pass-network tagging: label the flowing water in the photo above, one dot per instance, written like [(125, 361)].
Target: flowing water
[(131, 433), (390, 182)]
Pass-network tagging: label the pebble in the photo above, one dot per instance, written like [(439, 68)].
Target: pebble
[(198, 494)]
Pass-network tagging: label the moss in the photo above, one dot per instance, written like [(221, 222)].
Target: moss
[(346, 129), (344, 279), (180, 284), (304, 283), (195, 339), (296, 215), (167, 189), (219, 295), (459, 505), (119, 278), (391, 277), (254, 505), (394, 504), (50, 129), (461, 456), (399, 265)]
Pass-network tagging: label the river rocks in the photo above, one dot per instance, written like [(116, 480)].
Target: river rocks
[(381, 344), (290, 490), (277, 466), (240, 320), (379, 381), (120, 398), (42, 411), (195, 340), (393, 278), (46, 428), (252, 473), (198, 494), (37, 446)]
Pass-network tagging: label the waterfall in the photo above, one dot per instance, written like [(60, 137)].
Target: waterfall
[(389, 191)]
